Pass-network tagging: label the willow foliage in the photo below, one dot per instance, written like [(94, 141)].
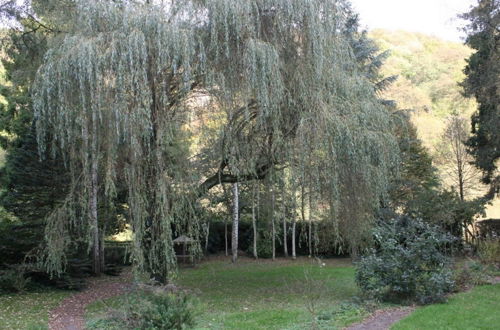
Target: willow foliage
[(115, 92)]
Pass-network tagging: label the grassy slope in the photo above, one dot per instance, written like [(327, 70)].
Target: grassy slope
[(267, 295), (28, 310), (477, 309)]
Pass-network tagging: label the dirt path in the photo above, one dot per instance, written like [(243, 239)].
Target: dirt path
[(383, 319), (69, 315)]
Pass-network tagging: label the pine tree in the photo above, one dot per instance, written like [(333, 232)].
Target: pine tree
[(482, 81), (32, 188)]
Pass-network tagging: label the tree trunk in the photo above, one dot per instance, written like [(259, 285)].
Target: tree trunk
[(94, 222), (101, 246), (273, 226), (303, 206), (461, 183), (310, 223), (294, 222), (225, 236), (284, 214), (206, 238), (234, 236), (254, 225), (285, 247)]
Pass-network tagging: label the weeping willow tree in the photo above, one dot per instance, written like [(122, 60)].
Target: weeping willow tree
[(111, 98), (114, 96)]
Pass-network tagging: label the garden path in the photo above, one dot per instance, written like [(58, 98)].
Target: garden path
[(382, 319), (69, 315)]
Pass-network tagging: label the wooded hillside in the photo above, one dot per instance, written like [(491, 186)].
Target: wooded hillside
[(429, 71)]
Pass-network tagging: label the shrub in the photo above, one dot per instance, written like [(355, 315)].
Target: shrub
[(469, 274), (14, 279), (150, 310), (408, 262), (489, 251), (165, 311), (264, 249)]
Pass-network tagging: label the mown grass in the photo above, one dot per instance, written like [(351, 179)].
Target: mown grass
[(476, 309), (263, 294), (28, 310)]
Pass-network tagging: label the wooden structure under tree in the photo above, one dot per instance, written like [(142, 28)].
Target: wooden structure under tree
[(183, 241)]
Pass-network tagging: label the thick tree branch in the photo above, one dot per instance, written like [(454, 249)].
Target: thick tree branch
[(220, 177)]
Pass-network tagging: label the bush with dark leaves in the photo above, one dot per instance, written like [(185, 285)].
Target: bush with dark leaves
[(150, 310), (408, 262)]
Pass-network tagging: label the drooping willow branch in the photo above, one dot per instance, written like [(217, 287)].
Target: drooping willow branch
[(284, 91)]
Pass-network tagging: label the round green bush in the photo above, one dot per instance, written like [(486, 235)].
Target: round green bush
[(408, 262)]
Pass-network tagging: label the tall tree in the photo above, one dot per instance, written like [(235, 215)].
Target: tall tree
[(281, 74), (416, 171), (482, 81), (454, 158), (31, 188)]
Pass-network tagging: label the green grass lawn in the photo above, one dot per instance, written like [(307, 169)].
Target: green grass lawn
[(263, 294), (273, 295), (476, 309), (28, 310)]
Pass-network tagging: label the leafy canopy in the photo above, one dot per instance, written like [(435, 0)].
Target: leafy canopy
[(281, 72)]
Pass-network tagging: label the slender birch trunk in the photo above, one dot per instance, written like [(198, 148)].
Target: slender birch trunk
[(273, 226), (94, 222), (285, 247), (225, 236), (294, 222), (254, 225), (234, 236), (303, 205), (310, 222), (284, 215)]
